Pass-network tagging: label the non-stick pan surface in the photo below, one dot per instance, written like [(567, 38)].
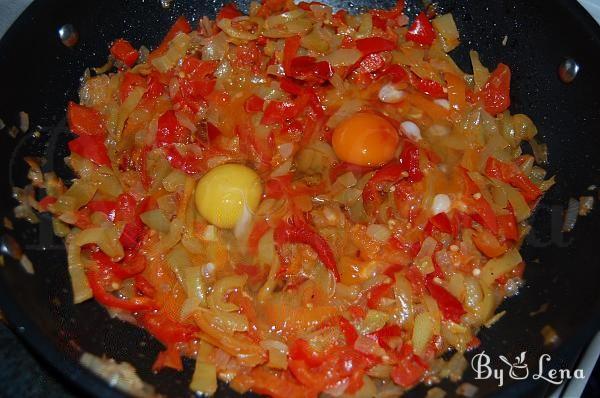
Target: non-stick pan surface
[(39, 75)]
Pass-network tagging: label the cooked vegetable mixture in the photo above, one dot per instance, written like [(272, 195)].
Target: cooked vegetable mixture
[(305, 201)]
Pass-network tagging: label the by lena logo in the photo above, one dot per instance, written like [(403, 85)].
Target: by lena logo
[(518, 369)]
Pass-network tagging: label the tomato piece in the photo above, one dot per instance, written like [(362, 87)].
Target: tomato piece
[(441, 221), (408, 373), (92, 148), (496, 91), (384, 334), (278, 112), (297, 230), (122, 50), (228, 11), (290, 86), (371, 63), (103, 297), (488, 244), (449, 305), (84, 120), (421, 30), (302, 351), (108, 207), (143, 286), (187, 162), (372, 45), (417, 280), (254, 104)]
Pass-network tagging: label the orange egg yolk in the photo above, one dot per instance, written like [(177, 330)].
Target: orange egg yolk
[(365, 139)]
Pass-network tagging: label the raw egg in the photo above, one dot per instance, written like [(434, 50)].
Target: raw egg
[(226, 192), (365, 139)]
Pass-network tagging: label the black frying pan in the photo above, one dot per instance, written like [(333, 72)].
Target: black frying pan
[(39, 75)]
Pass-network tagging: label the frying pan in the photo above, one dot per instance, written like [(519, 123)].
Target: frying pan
[(39, 75)]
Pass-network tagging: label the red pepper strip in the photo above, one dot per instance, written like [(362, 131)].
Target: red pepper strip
[(371, 63), (46, 201), (488, 244), (307, 68), (392, 173), (258, 230), (442, 223), (349, 331), (129, 267), (392, 13), (169, 358), (129, 82), (84, 121), (189, 162), (290, 48), (299, 231), (384, 334), (496, 91), (278, 112), (180, 25), (143, 286), (426, 86), (103, 297), (372, 45), (108, 207), (254, 104), (482, 211), (300, 350), (90, 147), (417, 280), (290, 86), (122, 50), (421, 31), (377, 293), (507, 226), (396, 73), (166, 330), (451, 308), (511, 174), (228, 11)]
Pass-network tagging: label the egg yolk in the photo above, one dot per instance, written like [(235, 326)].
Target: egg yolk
[(365, 139), (226, 192)]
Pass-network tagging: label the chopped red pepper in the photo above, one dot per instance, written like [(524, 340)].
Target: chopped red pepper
[(279, 112), (408, 372), (421, 31), (507, 226), (92, 148), (299, 231), (169, 358), (372, 45), (143, 286), (130, 266), (134, 304), (396, 73), (426, 86), (166, 330), (122, 50), (377, 293), (129, 82), (386, 333), (449, 305), (442, 222), (511, 174), (407, 168), (228, 11), (187, 162), (290, 48), (300, 350), (496, 91), (180, 25), (309, 69), (47, 201), (170, 131), (349, 331), (84, 121), (488, 244), (254, 104), (108, 207), (482, 211), (371, 63), (258, 230)]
